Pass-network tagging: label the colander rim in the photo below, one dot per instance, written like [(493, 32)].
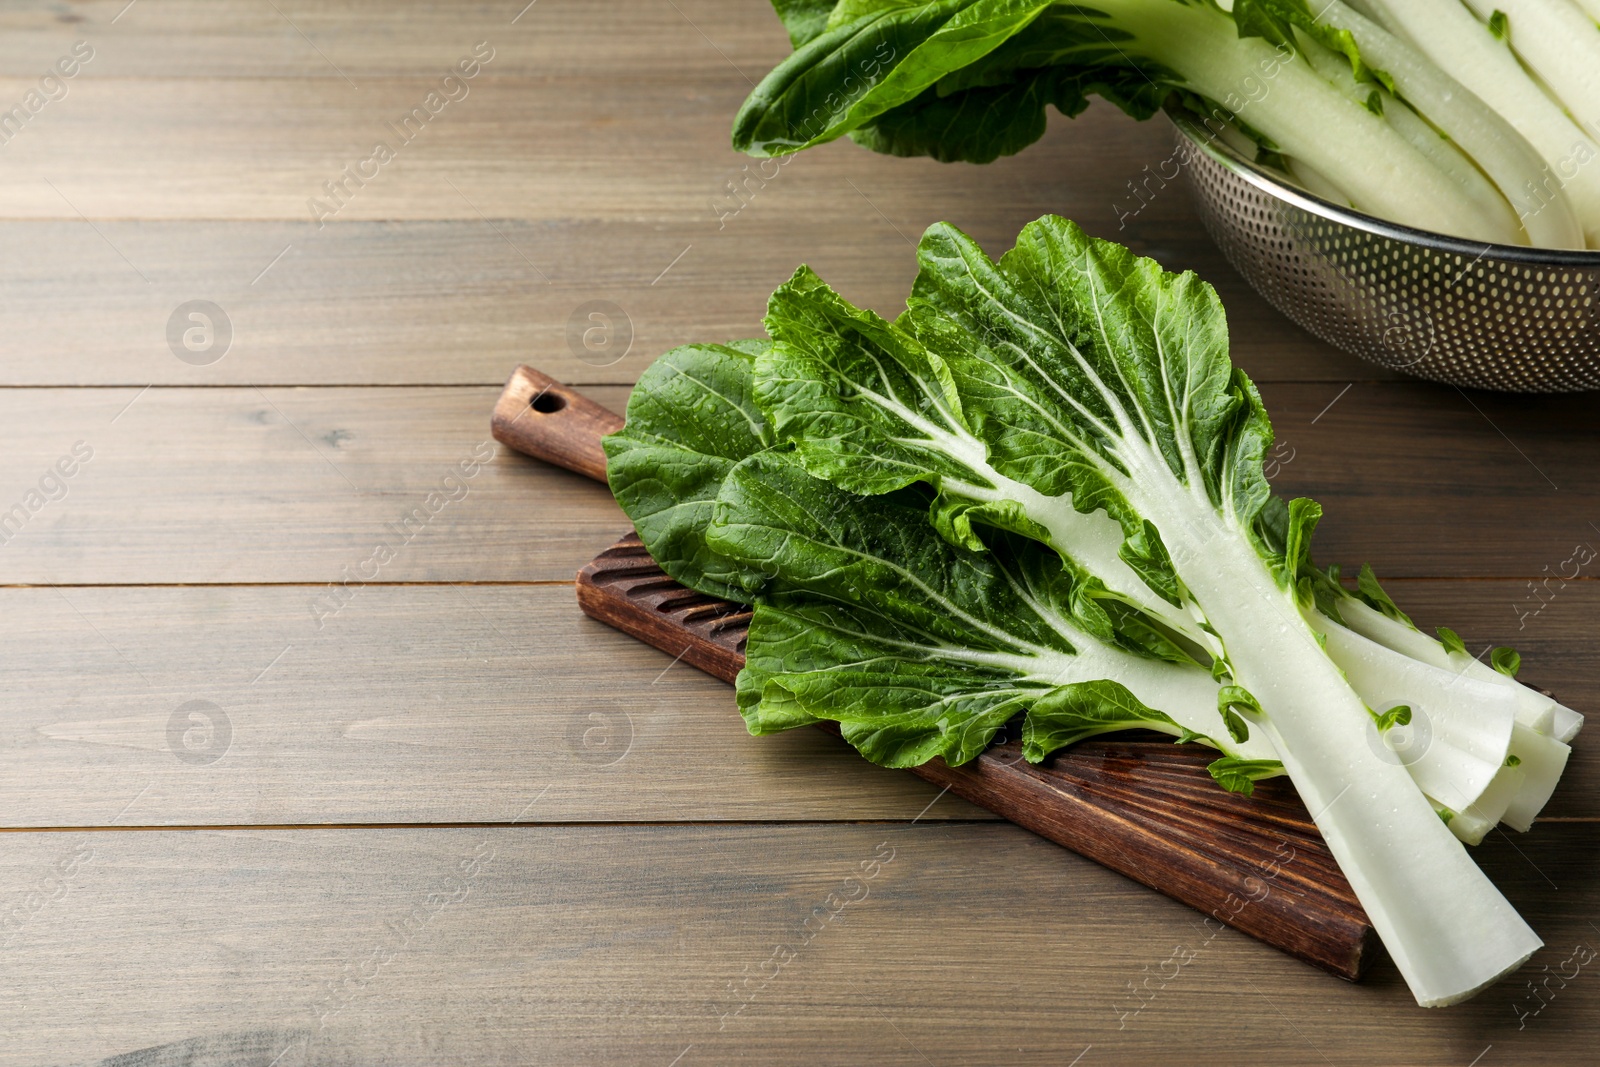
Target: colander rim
[(1225, 156)]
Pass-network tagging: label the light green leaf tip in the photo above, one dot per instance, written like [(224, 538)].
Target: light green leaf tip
[(1241, 775), (1506, 661)]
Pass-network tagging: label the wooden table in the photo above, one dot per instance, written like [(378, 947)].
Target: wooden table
[(289, 805)]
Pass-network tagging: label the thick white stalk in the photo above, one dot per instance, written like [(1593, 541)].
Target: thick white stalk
[(1449, 34), (1537, 715), (1542, 759), (1561, 44), (1313, 182), (1479, 817), (1495, 210), (1520, 173), (1567, 724), (1460, 731), (1277, 93), (1591, 8), (1534, 709), (1469, 829), (1448, 929), (1518, 792), (1468, 722)]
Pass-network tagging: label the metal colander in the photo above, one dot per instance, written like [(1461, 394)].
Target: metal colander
[(1486, 316)]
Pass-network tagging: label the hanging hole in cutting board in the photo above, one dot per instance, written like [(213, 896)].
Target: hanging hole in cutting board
[(548, 403)]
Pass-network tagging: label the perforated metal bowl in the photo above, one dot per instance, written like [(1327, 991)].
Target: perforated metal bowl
[(1488, 316)]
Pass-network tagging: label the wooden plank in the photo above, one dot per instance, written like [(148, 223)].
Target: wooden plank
[(231, 39), (271, 485), (518, 147), (461, 302), (435, 703), (640, 944), (411, 704), (1425, 480)]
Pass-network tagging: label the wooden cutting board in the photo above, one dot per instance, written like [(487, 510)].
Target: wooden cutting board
[(1138, 804)]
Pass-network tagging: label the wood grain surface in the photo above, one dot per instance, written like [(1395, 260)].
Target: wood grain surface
[(835, 944), (276, 484), (635, 903)]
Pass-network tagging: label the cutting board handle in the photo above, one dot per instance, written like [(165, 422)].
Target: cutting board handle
[(540, 417)]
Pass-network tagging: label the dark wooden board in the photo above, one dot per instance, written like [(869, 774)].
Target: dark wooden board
[(1147, 809)]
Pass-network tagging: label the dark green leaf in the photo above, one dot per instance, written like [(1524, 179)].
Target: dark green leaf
[(871, 406), (977, 125), (1047, 344), (1231, 699), (828, 357), (1304, 514), (1237, 696), (690, 419), (1144, 552), (855, 71), (1072, 713), (804, 19), (915, 646)]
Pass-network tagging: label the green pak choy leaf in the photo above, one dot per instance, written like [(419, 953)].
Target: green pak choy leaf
[(871, 406), (1241, 775), (920, 648), (804, 19), (1506, 660), (858, 69), (1372, 594), (968, 81), (1451, 641), (691, 417)]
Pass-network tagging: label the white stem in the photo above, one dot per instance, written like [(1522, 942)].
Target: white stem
[(1335, 70), (1534, 709), (1567, 724), (1277, 93), (1511, 162), (1478, 818), (1543, 759), (1313, 182), (1448, 929), (1448, 34), (1460, 731), (1561, 44)]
